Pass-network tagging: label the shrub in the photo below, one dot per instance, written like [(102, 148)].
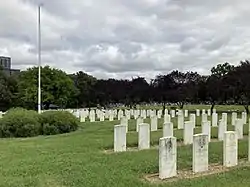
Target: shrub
[(19, 122), (58, 122)]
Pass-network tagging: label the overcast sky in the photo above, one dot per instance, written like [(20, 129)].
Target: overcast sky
[(125, 38)]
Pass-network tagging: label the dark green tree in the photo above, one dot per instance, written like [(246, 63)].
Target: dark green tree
[(56, 87)]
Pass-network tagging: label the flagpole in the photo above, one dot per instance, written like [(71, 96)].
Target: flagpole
[(39, 58)]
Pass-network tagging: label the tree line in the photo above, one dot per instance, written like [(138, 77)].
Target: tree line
[(227, 84)]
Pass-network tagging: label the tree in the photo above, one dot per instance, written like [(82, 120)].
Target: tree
[(238, 84), (85, 84), (222, 69), (56, 87), (7, 90)]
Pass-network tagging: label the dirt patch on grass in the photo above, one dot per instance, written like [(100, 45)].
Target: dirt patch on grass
[(189, 174)]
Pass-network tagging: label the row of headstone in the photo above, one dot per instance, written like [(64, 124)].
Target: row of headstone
[(168, 130), (168, 153)]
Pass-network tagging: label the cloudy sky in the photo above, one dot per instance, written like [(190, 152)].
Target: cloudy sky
[(125, 38)]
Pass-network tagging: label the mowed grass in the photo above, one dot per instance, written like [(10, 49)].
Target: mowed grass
[(79, 160)]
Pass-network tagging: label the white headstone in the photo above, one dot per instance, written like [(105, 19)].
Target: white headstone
[(214, 110), (159, 114), (166, 111), (224, 118), (167, 118), (188, 132), (180, 120), (204, 117), (124, 121), (119, 138), (206, 129), (82, 118), (92, 116), (185, 113), (192, 118), (172, 113), (214, 119), (143, 114), (203, 111), (139, 120), (144, 136), (222, 128), (154, 121), (168, 129), (209, 112), (120, 114), (101, 116), (239, 128), (167, 157), (197, 112), (200, 153), (230, 149), (233, 118), (244, 117), (111, 116)]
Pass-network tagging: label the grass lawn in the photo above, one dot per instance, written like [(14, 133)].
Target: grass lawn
[(78, 160)]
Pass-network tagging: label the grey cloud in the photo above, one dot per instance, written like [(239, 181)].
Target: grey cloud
[(126, 38)]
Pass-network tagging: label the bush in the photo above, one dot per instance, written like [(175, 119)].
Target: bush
[(19, 122), (58, 122)]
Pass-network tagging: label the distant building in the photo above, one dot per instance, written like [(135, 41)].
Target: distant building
[(5, 62)]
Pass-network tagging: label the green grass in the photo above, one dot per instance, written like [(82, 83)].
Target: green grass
[(78, 160)]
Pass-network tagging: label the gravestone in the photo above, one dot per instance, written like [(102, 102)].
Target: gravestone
[(200, 153), (180, 119), (209, 112), (168, 129), (172, 113), (143, 114), (230, 149), (120, 114), (206, 129), (204, 117), (244, 117), (159, 114), (214, 119), (224, 117), (188, 132), (167, 118), (203, 111), (239, 128), (233, 118), (139, 120), (119, 138), (111, 116), (222, 128), (101, 116), (144, 136), (185, 113), (82, 118), (127, 114), (166, 111), (92, 116), (154, 121), (167, 157), (192, 118), (124, 121), (197, 112)]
